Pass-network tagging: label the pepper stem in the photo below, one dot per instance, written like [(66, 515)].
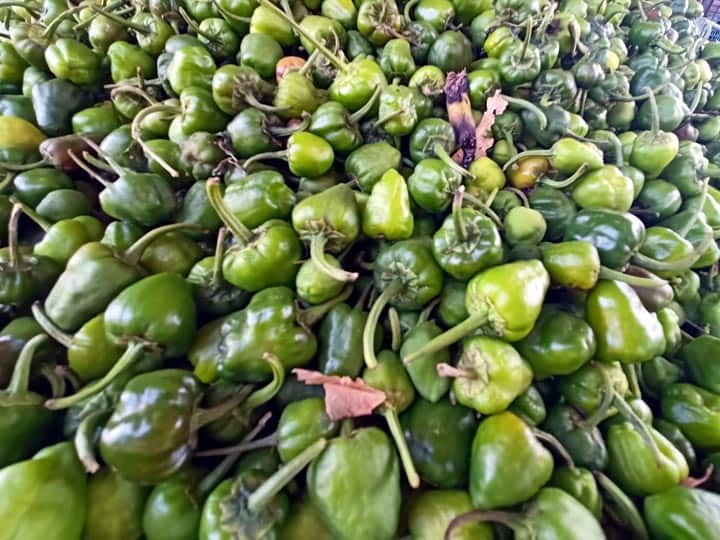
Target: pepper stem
[(683, 231), (213, 478), (332, 58), (13, 245), (654, 114), (21, 373), (85, 440), (521, 195), (130, 89), (635, 281), (527, 153), (51, 28), (484, 207), (362, 111), (237, 227), (308, 317), (317, 254), (230, 16), (395, 329), (273, 485), (49, 327), (453, 372), (21, 4), (443, 156), (599, 414), (641, 427), (287, 131), (509, 519), (114, 164), (195, 27), (631, 375), (624, 506), (133, 352), (217, 275), (696, 99), (567, 182), (6, 182), (265, 442), (458, 220), (203, 417), (447, 338), (372, 321), (556, 445), (136, 135), (270, 390), (119, 20), (133, 253), (528, 37), (675, 266), (393, 422), (531, 107), (14, 167), (41, 222), (279, 154), (84, 166)]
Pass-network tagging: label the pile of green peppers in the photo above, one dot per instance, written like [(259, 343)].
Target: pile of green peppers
[(359, 270)]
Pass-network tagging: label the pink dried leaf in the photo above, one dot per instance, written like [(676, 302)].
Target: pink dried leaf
[(494, 105), (344, 397)]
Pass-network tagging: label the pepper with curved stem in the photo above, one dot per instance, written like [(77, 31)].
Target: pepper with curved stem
[(119, 20), (600, 143), (484, 207), (123, 87), (363, 73), (84, 439), (131, 355), (22, 4), (506, 299), (393, 422), (566, 182), (395, 329), (443, 156), (372, 322), (136, 135), (52, 27), (195, 27), (234, 425), (634, 281), (263, 257), (525, 104), (611, 398), (677, 265), (555, 444), (521, 195)]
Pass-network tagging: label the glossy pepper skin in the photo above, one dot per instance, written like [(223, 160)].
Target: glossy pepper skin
[(340, 340), (649, 474), (233, 347), (625, 331), (700, 357), (387, 212), (559, 343), (36, 486), (585, 445), (508, 465), (424, 370), (695, 411), (301, 424), (158, 310), (616, 235), (439, 436), (165, 400), (581, 484), (25, 420), (378, 488), (683, 513)]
